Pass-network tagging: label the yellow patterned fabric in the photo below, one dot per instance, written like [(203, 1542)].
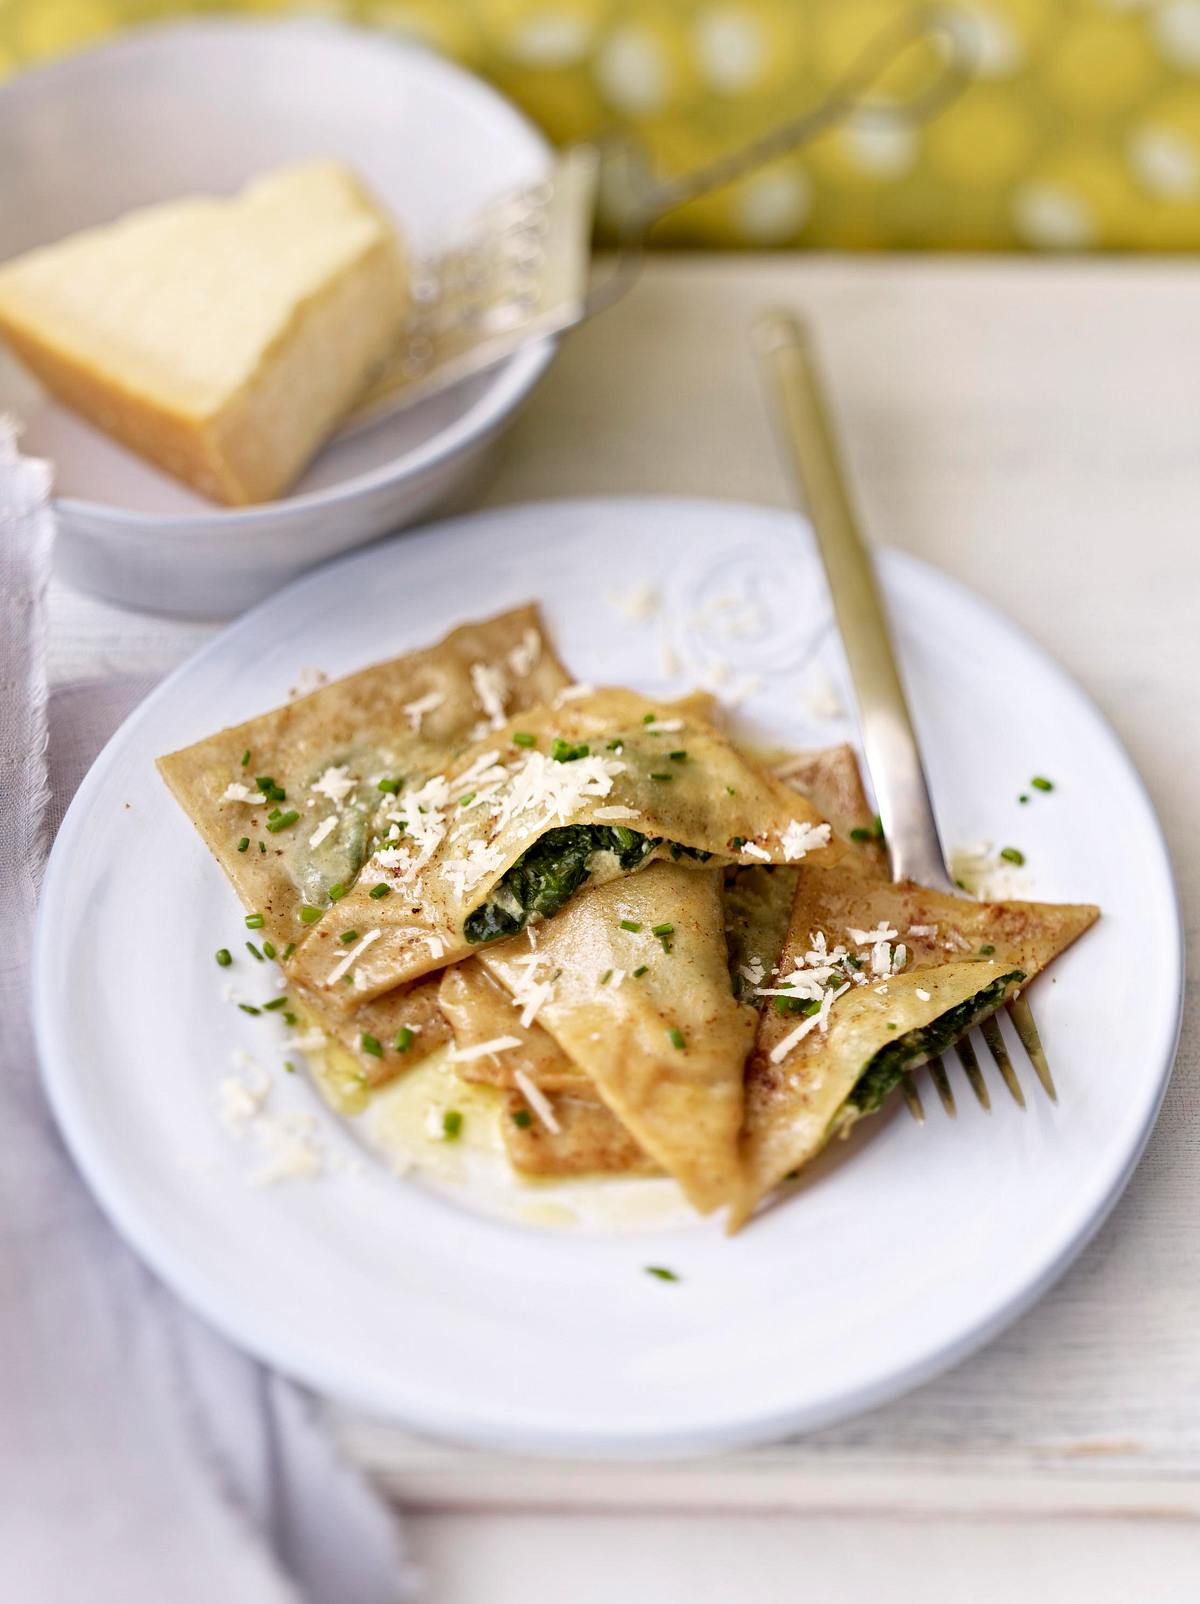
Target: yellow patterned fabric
[(1080, 131)]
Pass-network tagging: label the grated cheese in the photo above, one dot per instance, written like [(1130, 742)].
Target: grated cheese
[(751, 850), (572, 693), (799, 839), (336, 783), (638, 603), (537, 1101), (869, 938), (242, 793), (484, 1049), (615, 813), (465, 873), (416, 711), (490, 690), (352, 957), (525, 653), (559, 788), (323, 831), (923, 995), (531, 993)]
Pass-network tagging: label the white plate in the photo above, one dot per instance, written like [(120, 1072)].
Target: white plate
[(202, 107), (891, 1263)]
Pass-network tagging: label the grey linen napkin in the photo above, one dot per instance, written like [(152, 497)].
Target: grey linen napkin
[(142, 1459)]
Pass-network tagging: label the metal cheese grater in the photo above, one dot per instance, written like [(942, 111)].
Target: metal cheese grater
[(522, 268)]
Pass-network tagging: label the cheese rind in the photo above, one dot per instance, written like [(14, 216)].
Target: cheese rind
[(221, 338)]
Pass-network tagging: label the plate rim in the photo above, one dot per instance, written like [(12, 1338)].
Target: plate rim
[(715, 1431), (511, 380)]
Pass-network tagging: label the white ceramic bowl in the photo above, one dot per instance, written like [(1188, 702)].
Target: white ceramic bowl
[(205, 106)]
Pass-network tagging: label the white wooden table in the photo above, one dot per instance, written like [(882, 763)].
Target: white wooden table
[(1035, 430)]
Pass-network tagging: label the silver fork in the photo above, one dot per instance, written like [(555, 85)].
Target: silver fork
[(889, 741)]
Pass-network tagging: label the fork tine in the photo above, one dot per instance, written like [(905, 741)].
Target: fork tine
[(968, 1060), (913, 1098), (937, 1074), (990, 1029), (1021, 1015)]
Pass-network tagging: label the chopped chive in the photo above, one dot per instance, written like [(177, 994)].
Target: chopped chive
[(249, 1008), (523, 1119), (404, 1039), (262, 846), (675, 1037), (677, 757), (667, 929), (649, 718), (606, 977), (255, 921), (465, 801), (737, 842), (268, 949), (640, 971), (389, 786), (987, 950), (662, 776), (859, 834), (452, 1124), (274, 813), (630, 924), (337, 891), (381, 890), (265, 782), (288, 1017), (371, 1044), (961, 884), (891, 1026), (1023, 797), (523, 738), (855, 963), (661, 1273), (729, 791), (246, 758), (567, 751), (275, 1004), (616, 746), (1012, 855), (348, 936), (1041, 783), (310, 915), (244, 843), (224, 957), (288, 951), (289, 1066), (253, 951)]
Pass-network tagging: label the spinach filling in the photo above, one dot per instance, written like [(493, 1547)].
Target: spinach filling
[(884, 1070), (552, 871)]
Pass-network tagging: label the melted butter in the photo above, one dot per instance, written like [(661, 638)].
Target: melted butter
[(551, 1216), (402, 1125), (339, 1078)]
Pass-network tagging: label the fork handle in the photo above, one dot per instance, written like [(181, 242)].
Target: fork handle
[(889, 742)]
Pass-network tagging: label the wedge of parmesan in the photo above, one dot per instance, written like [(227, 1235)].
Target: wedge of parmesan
[(220, 337)]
